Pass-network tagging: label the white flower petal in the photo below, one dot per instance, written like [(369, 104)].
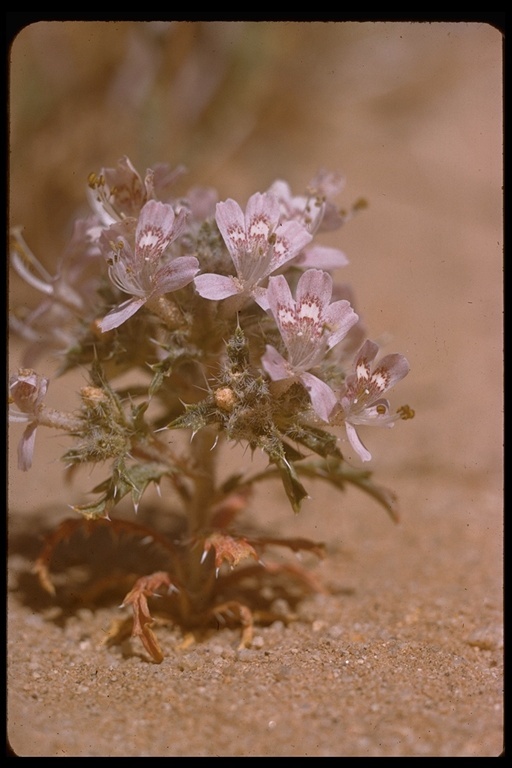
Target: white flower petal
[(26, 447), (176, 274), (120, 314), (231, 223), (215, 287), (275, 364), (322, 397), (356, 443)]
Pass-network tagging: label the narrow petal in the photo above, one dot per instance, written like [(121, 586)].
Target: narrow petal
[(322, 397), (280, 300), (26, 447), (356, 443), (120, 314), (176, 274), (215, 287), (261, 218), (231, 223)]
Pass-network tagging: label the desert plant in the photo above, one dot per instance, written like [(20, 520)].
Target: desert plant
[(232, 330)]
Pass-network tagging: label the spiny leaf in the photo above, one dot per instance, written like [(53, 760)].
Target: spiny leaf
[(294, 489), (195, 417), (134, 479), (322, 443)]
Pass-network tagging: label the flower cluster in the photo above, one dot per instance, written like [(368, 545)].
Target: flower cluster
[(137, 250), (234, 324)]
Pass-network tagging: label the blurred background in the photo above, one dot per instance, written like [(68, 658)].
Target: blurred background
[(410, 113)]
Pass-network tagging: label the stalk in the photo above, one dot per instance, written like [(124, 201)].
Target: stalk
[(198, 574)]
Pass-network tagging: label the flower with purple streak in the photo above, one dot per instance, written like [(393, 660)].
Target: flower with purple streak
[(145, 270), (310, 326), (258, 243), (361, 402), (27, 391)]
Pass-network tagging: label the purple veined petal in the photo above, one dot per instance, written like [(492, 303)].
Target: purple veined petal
[(26, 447), (322, 397), (176, 274), (391, 369), (120, 314), (367, 353), (154, 229), (231, 223), (157, 214), (316, 284), (386, 374), (280, 299), (275, 364), (303, 323), (290, 238), (321, 257), (261, 218), (356, 443), (215, 287)]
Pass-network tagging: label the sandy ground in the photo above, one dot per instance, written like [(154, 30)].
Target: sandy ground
[(404, 656)]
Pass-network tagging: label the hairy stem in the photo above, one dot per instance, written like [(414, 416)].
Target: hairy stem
[(198, 570), (49, 417), (167, 310), (204, 465)]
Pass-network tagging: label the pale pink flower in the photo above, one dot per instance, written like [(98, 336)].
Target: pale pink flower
[(27, 392), (317, 213), (258, 245), (310, 325), (361, 401), (143, 269)]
